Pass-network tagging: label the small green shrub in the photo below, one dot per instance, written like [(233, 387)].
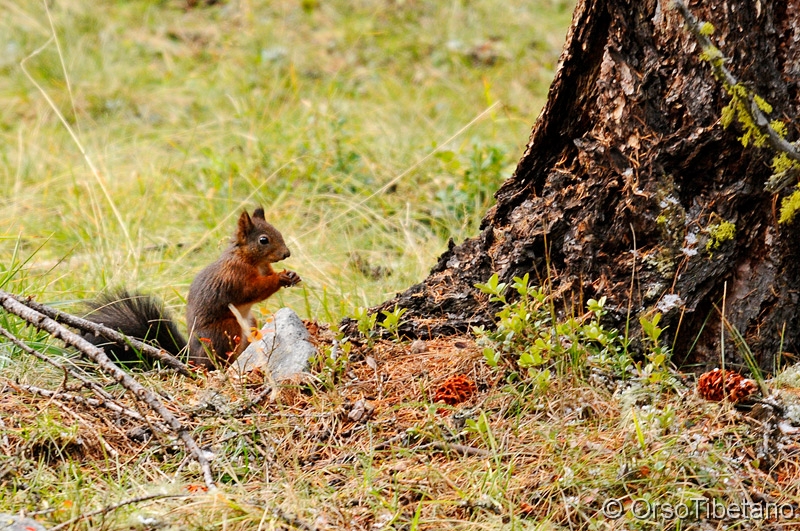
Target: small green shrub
[(528, 334), (529, 337), (656, 370), (366, 323), (392, 321)]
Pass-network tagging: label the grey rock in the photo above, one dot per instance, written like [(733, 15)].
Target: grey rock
[(283, 350), (10, 522)]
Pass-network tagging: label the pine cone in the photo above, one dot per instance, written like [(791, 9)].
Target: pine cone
[(455, 390), (710, 386), (741, 389), (716, 385)]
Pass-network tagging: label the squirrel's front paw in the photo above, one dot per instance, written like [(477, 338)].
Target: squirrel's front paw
[(289, 278)]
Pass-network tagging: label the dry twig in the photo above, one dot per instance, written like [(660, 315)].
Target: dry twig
[(460, 449), (91, 402), (94, 386), (42, 322), (94, 328), (254, 402), (404, 438), (114, 507), (292, 520)]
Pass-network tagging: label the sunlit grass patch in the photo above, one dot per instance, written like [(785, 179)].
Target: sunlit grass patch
[(362, 128)]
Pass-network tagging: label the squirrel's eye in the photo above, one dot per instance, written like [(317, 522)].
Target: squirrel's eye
[(263, 240)]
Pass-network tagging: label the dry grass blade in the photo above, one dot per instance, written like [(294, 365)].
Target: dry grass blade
[(42, 322), (114, 507), (94, 386), (100, 182)]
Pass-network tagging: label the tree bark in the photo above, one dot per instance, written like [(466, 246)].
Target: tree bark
[(627, 171)]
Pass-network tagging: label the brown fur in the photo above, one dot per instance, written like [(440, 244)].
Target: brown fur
[(241, 277)]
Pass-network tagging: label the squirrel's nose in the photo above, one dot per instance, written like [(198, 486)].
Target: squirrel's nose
[(286, 254)]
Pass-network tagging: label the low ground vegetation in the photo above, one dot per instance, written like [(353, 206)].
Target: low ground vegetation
[(353, 125), (458, 433)]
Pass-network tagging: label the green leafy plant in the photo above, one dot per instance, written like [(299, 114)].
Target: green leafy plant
[(333, 361), (392, 321), (366, 323), (658, 355), (528, 334), (482, 428)]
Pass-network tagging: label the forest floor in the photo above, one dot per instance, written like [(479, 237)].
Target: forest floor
[(405, 435), (132, 135)]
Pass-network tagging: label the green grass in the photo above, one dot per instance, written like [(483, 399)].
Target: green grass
[(371, 132)]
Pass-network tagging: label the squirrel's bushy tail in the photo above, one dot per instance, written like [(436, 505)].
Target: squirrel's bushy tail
[(136, 315)]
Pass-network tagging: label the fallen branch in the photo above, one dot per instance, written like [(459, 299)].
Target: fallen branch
[(98, 329), (96, 354), (405, 438), (254, 402), (94, 386), (402, 436), (91, 402), (459, 449), (292, 520)]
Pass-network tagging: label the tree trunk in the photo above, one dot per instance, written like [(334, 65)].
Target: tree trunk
[(625, 175)]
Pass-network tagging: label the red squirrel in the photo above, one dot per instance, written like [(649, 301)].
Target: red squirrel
[(241, 277)]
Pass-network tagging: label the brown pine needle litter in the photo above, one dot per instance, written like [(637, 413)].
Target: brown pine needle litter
[(374, 444), (504, 452)]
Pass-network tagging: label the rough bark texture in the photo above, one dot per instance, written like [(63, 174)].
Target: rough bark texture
[(626, 169)]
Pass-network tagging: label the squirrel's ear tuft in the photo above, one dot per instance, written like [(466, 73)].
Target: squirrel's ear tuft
[(245, 226), (259, 213)]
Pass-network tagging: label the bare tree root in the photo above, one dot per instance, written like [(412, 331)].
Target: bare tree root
[(57, 330)]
